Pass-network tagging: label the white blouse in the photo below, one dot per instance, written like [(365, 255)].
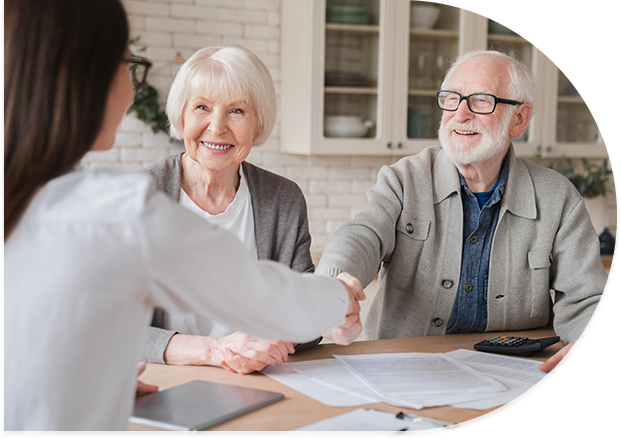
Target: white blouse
[(94, 253)]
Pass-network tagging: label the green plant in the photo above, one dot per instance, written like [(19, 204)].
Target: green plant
[(591, 181), (146, 105)]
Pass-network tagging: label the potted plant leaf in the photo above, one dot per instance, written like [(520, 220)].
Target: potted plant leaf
[(591, 183)]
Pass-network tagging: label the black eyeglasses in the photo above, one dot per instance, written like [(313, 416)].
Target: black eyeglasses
[(479, 103), (138, 68)]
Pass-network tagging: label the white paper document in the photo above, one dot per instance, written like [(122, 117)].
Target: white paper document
[(419, 380), (369, 420), (319, 390), (332, 372), (516, 374), (461, 378)]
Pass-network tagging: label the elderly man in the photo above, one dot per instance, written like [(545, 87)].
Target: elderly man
[(467, 237)]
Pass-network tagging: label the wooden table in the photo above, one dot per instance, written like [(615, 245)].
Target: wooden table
[(298, 410)]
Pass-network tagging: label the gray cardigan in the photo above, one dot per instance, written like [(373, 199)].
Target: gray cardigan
[(411, 231), (281, 232)]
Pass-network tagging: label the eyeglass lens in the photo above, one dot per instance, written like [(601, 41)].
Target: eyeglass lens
[(478, 103)]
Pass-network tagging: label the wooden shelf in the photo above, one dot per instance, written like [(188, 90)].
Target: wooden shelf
[(611, 261), (555, 39), (570, 100), (422, 92), (435, 33), (350, 90), (363, 28)]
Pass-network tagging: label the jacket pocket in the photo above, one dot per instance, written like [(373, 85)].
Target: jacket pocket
[(539, 261), (413, 228)]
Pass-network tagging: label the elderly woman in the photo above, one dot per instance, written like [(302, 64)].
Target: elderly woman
[(221, 104), (89, 254)]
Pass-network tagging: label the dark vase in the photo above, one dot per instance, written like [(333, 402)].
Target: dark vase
[(606, 243)]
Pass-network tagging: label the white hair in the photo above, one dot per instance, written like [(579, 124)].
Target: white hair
[(522, 86), (232, 72)]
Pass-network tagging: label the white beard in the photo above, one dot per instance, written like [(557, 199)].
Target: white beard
[(491, 143)]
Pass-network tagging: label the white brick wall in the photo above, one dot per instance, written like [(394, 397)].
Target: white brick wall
[(334, 187)]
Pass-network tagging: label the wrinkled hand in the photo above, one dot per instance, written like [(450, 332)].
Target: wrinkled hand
[(349, 331), (575, 353), (243, 353), (143, 388)]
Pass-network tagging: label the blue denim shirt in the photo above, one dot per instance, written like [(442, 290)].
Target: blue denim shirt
[(481, 213)]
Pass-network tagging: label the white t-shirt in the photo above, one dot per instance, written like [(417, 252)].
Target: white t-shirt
[(239, 220), (91, 257), (238, 217)]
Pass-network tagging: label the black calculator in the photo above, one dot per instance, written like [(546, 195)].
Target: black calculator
[(510, 345)]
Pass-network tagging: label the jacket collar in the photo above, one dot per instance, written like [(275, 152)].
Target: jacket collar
[(519, 196)]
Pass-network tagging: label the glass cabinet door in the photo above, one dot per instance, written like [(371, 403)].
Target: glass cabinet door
[(504, 40), (430, 42), (351, 68), (574, 122)]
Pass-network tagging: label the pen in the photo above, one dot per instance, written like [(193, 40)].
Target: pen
[(415, 418), (396, 435)]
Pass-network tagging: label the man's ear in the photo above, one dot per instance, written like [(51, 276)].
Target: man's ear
[(520, 120)]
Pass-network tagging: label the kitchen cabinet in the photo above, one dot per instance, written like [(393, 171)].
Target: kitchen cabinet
[(564, 123), (315, 47), (359, 77)]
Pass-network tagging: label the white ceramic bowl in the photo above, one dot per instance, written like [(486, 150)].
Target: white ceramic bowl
[(424, 16), (346, 126)]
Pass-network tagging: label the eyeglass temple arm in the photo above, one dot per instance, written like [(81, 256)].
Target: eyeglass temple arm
[(508, 101)]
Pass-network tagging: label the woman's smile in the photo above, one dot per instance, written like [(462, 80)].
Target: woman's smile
[(217, 148)]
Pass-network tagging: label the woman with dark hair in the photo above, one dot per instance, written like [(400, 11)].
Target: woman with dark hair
[(88, 255)]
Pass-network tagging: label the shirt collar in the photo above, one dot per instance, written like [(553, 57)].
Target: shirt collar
[(499, 186), (519, 191)]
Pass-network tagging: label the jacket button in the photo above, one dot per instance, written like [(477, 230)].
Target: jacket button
[(474, 239), (447, 283), (409, 228), (437, 322), (468, 287)]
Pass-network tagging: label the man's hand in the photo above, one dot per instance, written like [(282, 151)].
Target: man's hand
[(351, 329), (574, 354), (143, 388)]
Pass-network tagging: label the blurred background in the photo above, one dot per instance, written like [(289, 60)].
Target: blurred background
[(356, 83)]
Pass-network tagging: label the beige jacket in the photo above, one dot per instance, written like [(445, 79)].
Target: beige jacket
[(411, 231)]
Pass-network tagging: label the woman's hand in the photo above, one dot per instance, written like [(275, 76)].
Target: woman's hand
[(238, 352), (349, 331), (143, 388), (556, 358)]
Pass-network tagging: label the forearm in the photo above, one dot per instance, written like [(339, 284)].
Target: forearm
[(155, 345), (191, 350), (354, 249)]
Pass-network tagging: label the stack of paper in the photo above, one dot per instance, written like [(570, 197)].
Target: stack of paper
[(462, 378)]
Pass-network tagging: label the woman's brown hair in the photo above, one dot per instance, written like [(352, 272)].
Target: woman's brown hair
[(60, 58)]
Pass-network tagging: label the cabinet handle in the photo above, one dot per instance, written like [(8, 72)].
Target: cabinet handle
[(389, 145), (539, 148), (399, 145), (548, 149)]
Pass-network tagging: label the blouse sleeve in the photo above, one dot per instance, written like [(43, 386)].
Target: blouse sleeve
[(196, 267)]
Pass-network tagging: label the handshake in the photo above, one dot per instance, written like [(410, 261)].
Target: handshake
[(351, 329)]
